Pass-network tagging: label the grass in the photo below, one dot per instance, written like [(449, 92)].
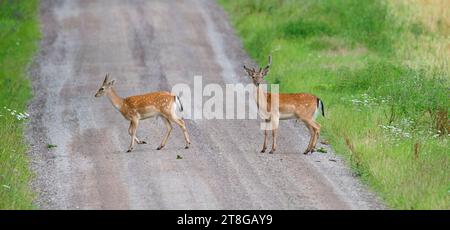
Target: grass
[(19, 32), (382, 68), (50, 146)]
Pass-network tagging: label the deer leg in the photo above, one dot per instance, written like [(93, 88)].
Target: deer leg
[(312, 132), (274, 142), (169, 130), (139, 141), (135, 138), (182, 125), (275, 121), (132, 131), (265, 142), (316, 128)]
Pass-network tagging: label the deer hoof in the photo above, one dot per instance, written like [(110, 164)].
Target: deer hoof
[(186, 147), (129, 151), (263, 150), (143, 142), (159, 147), (272, 151), (306, 152)]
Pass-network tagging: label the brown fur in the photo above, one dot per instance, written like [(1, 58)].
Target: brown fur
[(140, 107), (300, 106), (160, 102)]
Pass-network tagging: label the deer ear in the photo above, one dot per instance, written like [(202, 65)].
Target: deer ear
[(111, 83), (106, 79)]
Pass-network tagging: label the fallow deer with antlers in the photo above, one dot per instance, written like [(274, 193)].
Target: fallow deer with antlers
[(140, 107), (301, 106)]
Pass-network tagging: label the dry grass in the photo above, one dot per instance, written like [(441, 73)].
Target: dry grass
[(427, 46), (433, 14)]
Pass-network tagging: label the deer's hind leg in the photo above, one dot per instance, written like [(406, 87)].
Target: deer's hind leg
[(316, 127), (182, 124), (314, 132), (169, 130)]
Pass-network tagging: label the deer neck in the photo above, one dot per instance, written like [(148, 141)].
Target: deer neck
[(115, 99), (261, 100)]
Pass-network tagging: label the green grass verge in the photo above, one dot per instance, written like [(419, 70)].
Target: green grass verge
[(19, 33), (386, 96)]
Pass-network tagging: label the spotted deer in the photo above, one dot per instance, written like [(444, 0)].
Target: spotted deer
[(301, 106), (140, 107)]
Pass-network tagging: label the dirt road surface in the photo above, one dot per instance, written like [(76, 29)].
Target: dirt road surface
[(149, 46)]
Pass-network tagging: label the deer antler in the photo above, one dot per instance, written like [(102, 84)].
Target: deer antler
[(249, 71), (270, 62)]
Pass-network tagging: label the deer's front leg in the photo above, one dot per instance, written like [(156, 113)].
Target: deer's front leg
[(275, 122), (135, 136), (265, 141), (132, 131), (139, 141), (274, 142)]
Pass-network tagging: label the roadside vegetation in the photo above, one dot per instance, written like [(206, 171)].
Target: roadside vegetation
[(382, 68), (19, 34)]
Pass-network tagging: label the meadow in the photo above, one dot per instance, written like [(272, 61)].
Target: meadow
[(382, 69), (19, 35)]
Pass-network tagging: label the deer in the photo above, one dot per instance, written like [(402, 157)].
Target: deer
[(301, 106), (161, 104)]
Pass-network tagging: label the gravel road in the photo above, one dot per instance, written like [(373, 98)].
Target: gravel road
[(149, 46)]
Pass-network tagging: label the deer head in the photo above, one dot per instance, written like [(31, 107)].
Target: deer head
[(106, 86), (257, 76)]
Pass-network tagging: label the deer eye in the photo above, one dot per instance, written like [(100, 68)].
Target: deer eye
[(101, 89)]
